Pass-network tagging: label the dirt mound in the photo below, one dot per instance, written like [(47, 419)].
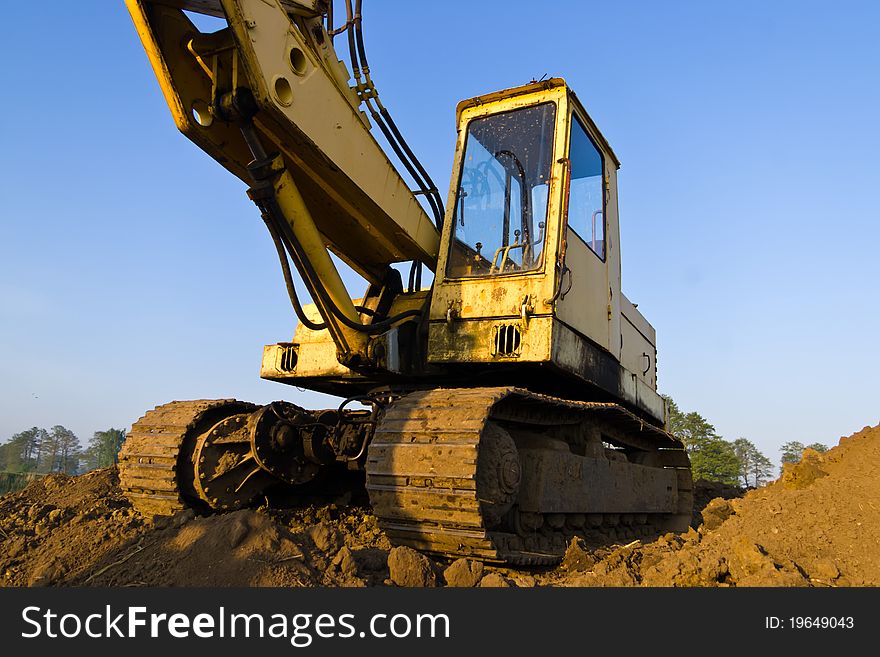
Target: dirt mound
[(817, 526), (706, 491), (55, 529), (82, 531), (311, 547)]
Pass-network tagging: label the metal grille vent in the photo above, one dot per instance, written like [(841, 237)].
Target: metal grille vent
[(506, 340), (287, 358)]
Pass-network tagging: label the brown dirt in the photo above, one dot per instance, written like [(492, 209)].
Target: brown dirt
[(818, 525), (81, 531)]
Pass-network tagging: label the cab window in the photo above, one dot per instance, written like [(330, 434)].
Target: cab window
[(586, 200), (501, 204)]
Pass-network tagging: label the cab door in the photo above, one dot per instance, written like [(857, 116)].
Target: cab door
[(586, 302)]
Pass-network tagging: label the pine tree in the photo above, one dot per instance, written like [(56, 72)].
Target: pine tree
[(104, 448), (791, 451), (712, 457)]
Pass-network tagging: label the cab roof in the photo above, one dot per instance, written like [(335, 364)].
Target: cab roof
[(535, 87)]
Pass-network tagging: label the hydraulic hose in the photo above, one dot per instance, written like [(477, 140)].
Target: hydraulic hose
[(274, 217), (311, 278), (352, 52), (288, 278), (357, 55), (431, 188)]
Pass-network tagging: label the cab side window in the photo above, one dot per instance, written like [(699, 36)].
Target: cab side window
[(586, 201)]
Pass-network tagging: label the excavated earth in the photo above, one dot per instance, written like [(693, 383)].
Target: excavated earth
[(818, 525)]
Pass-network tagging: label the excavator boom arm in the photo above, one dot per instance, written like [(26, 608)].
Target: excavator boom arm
[(267, 97), (281, 55)]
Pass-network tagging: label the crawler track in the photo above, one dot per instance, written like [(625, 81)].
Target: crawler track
[(155, 470), (422, 473), (427, 468)]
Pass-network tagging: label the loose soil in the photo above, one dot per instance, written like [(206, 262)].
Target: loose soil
[(818, 525)]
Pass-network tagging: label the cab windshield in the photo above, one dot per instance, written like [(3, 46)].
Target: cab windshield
[(500, 212)]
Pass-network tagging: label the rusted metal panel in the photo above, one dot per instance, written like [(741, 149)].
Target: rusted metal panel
[(472, 341)]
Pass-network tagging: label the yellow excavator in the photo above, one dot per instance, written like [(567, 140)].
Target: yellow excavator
[(497, 412)]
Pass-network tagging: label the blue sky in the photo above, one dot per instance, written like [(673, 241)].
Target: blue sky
[(134, 271)]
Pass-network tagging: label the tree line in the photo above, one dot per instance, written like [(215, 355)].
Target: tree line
[(41, 451), (738, 462)]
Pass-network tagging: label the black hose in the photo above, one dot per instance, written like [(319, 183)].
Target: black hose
[(357, 64), (270, 209), (415, 276), (431, 188), (352, 52), (386, 124), (411, 286), (435, 210), (288, 281), (426, 185), (288, 278), (311, 278), (330, 20), (362, 53)]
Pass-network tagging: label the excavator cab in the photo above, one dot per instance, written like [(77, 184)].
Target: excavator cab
[(529, 269)]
